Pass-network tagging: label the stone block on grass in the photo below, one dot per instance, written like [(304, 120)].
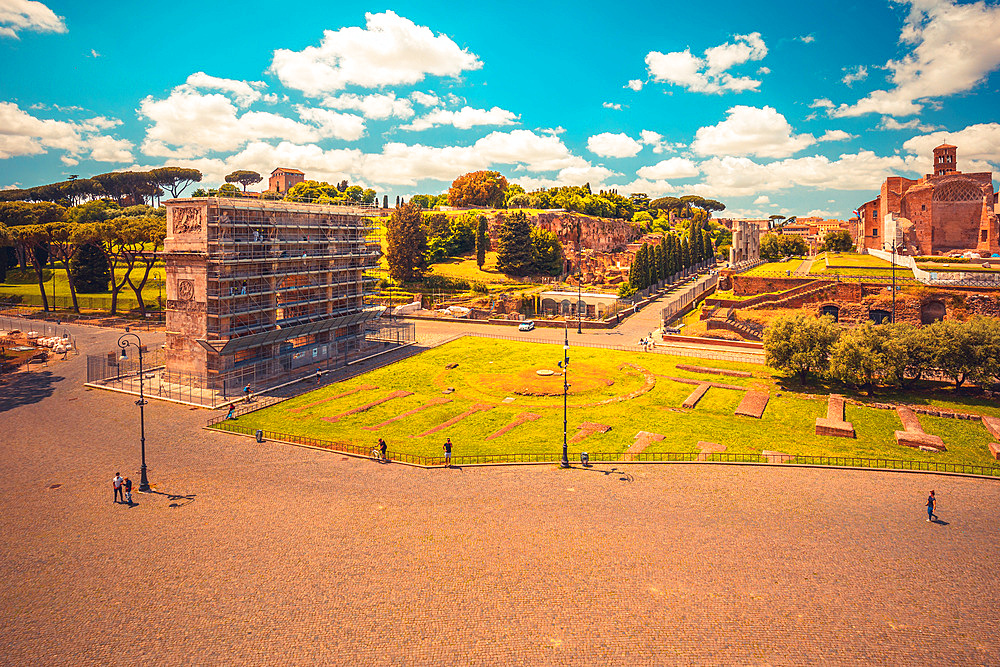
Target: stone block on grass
[(776, 457), (708, 448), (995, 450), (919, 440), (833, 424), (992, 425), (692, 400), (753, 404)]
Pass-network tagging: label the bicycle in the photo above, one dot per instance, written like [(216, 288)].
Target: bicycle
[(376, 455)]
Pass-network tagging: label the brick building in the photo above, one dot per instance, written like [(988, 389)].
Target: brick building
[(939, 213), (282, 180)]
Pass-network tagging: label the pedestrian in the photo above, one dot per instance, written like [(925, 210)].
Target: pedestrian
[(128, 490), (246, 393), (232, 412), (117, 484), (447, 453), (381, 448), (319, 375), (931, 506)]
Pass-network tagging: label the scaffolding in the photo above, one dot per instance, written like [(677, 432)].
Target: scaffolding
[(286, 285)]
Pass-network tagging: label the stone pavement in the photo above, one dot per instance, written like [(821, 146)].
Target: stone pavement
[(271, 554)]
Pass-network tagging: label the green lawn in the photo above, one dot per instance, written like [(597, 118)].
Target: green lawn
[(774, 267), (465, 268), (489, 371), (23, 282), (854, 260)]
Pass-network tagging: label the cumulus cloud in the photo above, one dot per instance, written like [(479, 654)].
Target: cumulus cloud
[(761, 200), (709, 74), (608, 144), (425, 99), (612, 105), (976, 143), (376, 106), (390, 50), (655, 139), (24, 134), (190, 123), (854, 74), (953, 48), (244, 93), (634, 84), (463, 119), (890, 123), (596, 176), (751, 131), (672, 168), (806, 39), (835, 135), (20, 15), (739, 176)]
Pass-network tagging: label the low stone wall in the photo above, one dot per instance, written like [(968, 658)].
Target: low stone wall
[(751, 285)]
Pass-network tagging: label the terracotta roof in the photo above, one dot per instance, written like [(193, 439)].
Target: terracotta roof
[(946, 146), (289, 171)]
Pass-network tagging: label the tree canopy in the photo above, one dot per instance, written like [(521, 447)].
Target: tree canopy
[(478, 188), (244, 178), (407, 244)]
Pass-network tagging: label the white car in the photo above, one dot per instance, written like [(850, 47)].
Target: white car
[(527, 325)]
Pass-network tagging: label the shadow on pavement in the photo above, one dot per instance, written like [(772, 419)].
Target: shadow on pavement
[(622, 475), (26, 388), (187, 499)]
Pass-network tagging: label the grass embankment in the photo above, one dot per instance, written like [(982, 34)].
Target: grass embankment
[(489, 371), (772, 268)]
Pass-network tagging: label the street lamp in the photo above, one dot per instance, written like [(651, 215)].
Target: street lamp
[(123, 343), (564, 365), (892, 320)]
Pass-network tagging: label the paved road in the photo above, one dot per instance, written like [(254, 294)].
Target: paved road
[(270, 554)]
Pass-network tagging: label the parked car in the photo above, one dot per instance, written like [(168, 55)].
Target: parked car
[(527, 325)]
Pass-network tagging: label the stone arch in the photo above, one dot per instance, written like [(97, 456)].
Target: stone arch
[(567, 306), (879, 316), (550, 306), (932, 311), (831, 309)]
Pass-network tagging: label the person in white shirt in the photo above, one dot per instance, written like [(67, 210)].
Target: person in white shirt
[(117, 484)]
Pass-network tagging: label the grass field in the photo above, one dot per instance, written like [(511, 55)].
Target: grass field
[(465, 268), (774, 267), (22, 282), (626, 391), (853, 261)]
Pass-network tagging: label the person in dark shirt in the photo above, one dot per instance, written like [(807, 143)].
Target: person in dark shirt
[(931, 506), (447, 453), (128, 490), (381, 448)]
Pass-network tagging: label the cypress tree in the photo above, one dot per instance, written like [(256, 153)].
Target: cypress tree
[(514, 245), (482, 241), (89, 267), (658, 256), (707, 245), (685, 254)]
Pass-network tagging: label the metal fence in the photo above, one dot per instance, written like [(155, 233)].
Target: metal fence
[(44, 328), (104, 367), (688, 296), (624, 457)]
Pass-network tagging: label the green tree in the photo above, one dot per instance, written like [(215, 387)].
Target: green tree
[(546, 252), (90, 271), (909, 352), (143, 239), (228, 190), (859, 357), (478, 188), (514, 253), (967, 350), (800, 343), (34, 239), (244, 178), (706, 245), (175, 179), (770, 248), (482, 241), (660, 260), (407, 244), (838, 240), (685, 254), (793, 245), (64, 238)]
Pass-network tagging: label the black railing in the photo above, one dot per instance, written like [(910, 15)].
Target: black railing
[(625, 457)]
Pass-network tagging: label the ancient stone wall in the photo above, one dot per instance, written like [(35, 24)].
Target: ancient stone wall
[(751, 285), (578, 232)]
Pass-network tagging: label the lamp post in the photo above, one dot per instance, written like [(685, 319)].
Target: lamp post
[(892, 319), (564, 365), (123, 343)]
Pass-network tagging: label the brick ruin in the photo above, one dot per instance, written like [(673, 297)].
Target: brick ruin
[(942, 212)]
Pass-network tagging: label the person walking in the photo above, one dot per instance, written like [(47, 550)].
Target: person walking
[(246, 393), (127, 484), (447, 453), (232, 412), (117, 484), (381, 448), (931, 506)]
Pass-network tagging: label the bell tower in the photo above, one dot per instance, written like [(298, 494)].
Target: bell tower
[(945, 157)]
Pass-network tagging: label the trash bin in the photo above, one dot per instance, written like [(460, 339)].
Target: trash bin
[(584, 459), (260, 435)]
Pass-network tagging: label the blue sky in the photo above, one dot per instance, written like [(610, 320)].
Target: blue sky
[(784, 109)]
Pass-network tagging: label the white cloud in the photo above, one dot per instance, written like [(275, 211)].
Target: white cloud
[(612, 105), (979, 142), (634, 84), (835, 135), (709, 74), (596, 176), (655, 139), (94, 53), (24, 134), (17, 15), (189, 123), (738, 176), (751, 131), (672, 168), (820, 213), (390, 50), (376, 106), (608, 144), (653, 189), (425, 99), (244, 93), (806, 39), (890, 123), (463, 119), (855, 74), (761, 200), (954, 48)]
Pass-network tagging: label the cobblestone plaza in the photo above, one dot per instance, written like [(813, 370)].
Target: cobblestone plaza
[(272, 554)]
